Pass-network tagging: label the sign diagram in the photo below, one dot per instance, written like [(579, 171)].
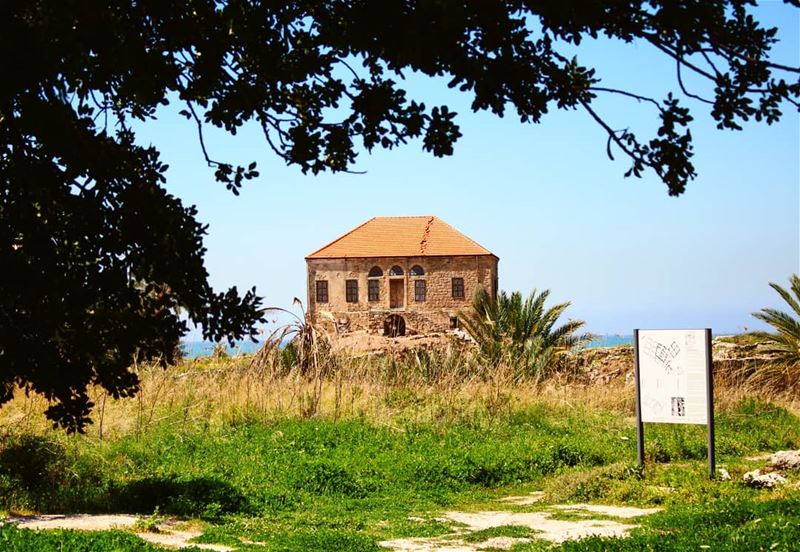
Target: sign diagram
[(673, 376)]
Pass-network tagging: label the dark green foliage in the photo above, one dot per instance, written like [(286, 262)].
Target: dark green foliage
[(97, 259), (32, 466), (205, 497), (36, 463)]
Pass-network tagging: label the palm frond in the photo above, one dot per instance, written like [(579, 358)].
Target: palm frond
[(521, 331), (782, 371), (781, 321), (786, 296)]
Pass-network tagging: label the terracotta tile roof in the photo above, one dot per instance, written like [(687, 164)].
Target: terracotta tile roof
[(400, 237)]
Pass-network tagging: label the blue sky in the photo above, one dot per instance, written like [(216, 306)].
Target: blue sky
[(545, 198)]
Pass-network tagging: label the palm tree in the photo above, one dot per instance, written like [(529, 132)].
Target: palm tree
[(783, 370), (521, 333)]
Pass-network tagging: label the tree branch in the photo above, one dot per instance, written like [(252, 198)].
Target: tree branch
[(612, 134), (211, 163), (625, 93), (678, 64), (749, 59), (676, 56)]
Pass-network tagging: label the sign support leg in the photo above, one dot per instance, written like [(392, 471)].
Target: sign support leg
[(639, 424), (710, 394)]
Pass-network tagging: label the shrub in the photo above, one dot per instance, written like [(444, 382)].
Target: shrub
[(206, 497), (521, 333)]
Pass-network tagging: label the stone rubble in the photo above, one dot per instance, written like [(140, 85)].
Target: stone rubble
[(763, 480), (786, 459)]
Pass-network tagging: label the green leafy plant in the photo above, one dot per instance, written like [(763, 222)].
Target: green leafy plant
[(521, 333), (782, 371), (149, 524)]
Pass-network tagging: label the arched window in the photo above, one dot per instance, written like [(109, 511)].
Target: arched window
[(375, 271), (395, 271), (416, 270)]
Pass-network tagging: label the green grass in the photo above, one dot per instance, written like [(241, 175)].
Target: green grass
[(254, 467), (345, 485), (728, 524), (22, 540), (514, 531)]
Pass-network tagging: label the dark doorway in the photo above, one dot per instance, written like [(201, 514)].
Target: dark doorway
[(394, 326)]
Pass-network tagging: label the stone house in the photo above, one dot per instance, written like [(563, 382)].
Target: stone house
[(397, 275)]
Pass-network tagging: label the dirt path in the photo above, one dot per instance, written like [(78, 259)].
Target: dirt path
[(585, 520), (553, 523)]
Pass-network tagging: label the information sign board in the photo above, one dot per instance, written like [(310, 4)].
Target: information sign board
[(674, 379), (673, 376)]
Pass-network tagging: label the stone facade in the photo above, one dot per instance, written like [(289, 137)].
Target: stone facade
[(397, 302)]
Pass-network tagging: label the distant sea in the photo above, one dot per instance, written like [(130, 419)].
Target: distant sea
[(196, 349), (611, 340)]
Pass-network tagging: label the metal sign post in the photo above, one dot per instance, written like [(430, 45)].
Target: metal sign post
[(639, 423), (712, 460), (674, 381)]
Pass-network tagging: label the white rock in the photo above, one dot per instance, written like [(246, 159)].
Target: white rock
[(763, 480), (786, 459), (724, 475)]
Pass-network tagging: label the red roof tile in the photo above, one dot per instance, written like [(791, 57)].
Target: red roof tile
[(400, 237)]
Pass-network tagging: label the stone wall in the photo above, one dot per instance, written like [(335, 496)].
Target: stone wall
[(430, 315)]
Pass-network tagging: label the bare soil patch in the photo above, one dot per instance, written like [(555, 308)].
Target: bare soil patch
[(543, 523), (77, 522), (612, 511), (168, 536), (526, 500)]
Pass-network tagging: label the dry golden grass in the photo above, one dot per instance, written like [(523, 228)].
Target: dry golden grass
[(442, 385)]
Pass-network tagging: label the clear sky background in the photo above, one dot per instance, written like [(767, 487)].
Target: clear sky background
[(544, 198)]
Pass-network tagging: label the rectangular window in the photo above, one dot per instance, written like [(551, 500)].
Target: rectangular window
[(454, 322), (419, 291), (322, 291), (351, 291), (374, 290), (458, 288)]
